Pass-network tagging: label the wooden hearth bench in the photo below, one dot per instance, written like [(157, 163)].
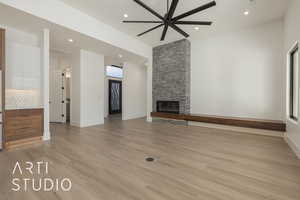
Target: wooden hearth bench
[(272, 125)]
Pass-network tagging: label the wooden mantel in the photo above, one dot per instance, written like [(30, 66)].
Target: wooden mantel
[(272, 125)]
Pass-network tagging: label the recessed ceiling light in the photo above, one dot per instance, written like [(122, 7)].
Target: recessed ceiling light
[(120, 56), (126, 15), (197, 28), (70, 40), (246, 12)]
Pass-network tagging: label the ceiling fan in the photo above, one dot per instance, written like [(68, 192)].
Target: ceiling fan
[(169, 21)]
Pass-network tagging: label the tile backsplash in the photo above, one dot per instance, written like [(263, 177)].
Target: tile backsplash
[(22, 99)]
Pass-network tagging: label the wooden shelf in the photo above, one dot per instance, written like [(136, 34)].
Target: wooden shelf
[(272, 125)]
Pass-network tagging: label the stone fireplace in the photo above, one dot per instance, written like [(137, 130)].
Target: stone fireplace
[(171, 77)]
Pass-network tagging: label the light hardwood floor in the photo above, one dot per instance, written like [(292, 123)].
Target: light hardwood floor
[(193, 163)]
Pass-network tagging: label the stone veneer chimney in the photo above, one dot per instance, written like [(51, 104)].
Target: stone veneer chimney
[(172, 74)]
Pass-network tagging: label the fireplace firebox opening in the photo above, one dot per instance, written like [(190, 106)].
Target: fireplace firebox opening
[(168, 106)]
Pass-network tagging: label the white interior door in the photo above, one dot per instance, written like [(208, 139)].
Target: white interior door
[(57, 111)]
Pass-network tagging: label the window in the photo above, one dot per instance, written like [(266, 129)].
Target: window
[(114, 71), (294, 82)]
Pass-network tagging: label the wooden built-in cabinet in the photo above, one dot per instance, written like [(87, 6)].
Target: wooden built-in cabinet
[(2, 87), (23, 125)]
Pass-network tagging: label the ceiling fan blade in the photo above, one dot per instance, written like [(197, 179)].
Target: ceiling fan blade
[(149, 9), (163, 36), (172, 9), (201, 8), (193, 23), (179, 30), (169, 16), (146, 22), (151, 29)]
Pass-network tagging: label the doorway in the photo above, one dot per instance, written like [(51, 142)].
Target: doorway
[(115, 97), (57, 96)]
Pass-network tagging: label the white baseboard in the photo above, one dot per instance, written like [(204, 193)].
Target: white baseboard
[(76, 124), (47, 136), (149, 119), (239, 129), (293, 146), (125, 118), (87, 124)]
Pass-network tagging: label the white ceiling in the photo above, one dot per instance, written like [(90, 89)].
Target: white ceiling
[(227, 15), (59, 36)]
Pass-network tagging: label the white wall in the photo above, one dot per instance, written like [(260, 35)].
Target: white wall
[(92, 88), (239, 74), (14, 35), (87, 89), (59, 60), (149, 89), (134, 91), (75, 88), (292, 35)]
